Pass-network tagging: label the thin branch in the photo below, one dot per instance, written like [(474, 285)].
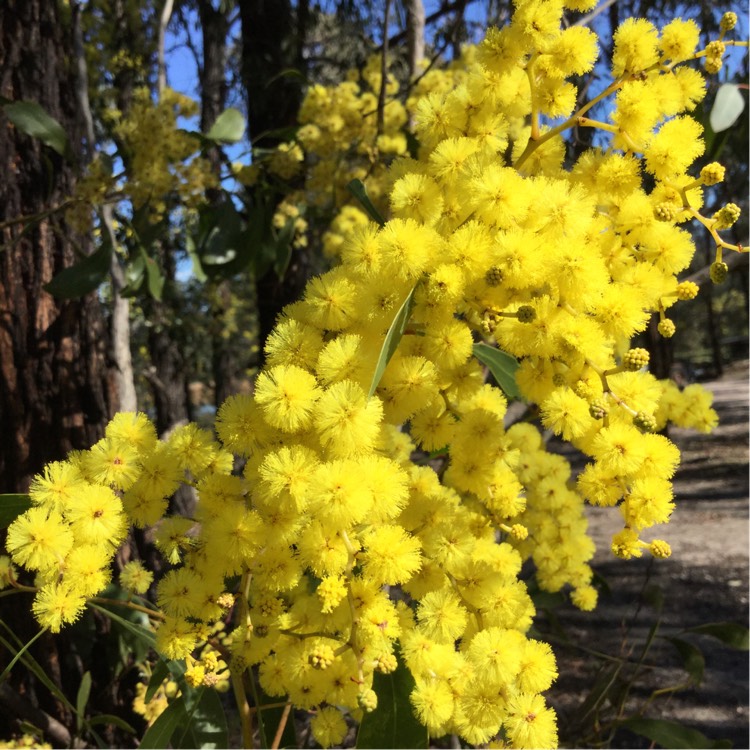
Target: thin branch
[(594, 13)]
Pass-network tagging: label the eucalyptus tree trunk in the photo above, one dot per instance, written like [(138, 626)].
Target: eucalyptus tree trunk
[(215, 28), (415, 22), (54, 393), (273, 37)]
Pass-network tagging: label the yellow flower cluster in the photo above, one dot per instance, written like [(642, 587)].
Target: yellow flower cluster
[(160, 158), (384, 518), (77, 523)]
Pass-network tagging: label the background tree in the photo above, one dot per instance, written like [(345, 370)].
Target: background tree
[(55, 381)]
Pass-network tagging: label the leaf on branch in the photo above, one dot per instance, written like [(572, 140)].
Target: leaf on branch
[(392, 339), (502, 366), (82, 278), (393, 723), (229, 127), (669, 734), (730, 634), (82, 698), (30, 118), (728, 106), (692, 657), (11, 506), (359, 191)]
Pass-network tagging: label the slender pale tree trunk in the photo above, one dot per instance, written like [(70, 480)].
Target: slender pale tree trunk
[(126, 399), (415, 22)]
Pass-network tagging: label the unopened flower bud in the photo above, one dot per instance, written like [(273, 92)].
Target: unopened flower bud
[(368, 700), (687, 290), (558, 380), (728, 21), (489, 323), (386, 663), (712, 65), (526, 314), (644, 422), (666, 328), (712, 173), (718, 272), (494, 276), (665, 211), (583, 389), (726, 216), (598, 408), (519, 531), (635, 359), (716, 49), (659, 548), (322, 657)]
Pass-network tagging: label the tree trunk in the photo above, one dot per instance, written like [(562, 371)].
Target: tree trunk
[(53, 374), (215, 27), (272, 43), (167, 373), (415, 22)]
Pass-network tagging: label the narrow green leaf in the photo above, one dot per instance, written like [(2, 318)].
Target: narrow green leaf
[(154, 276), (692, 658), (392, 339), (113, 720), (82, 278), (192, 251), (393, 723), (229, 127), (206, 724), (359, 191), (11, 506), (502, 366), (160, 673), (671, 735), (159, 734), (82, 698), (728, 106), (20, 653), (731, 634), (33, 666), (137, 630), (654, 596), (135, 272), (32, 119)]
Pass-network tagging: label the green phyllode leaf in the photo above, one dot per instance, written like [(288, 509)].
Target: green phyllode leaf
[(82, 698), (229, 127), (692, 657), (731, 634), (32, 119), (359, 191), (670, 735), (728, 106), (392, 339), (393, 723), (12, 506), (82, 278), (502, 366)]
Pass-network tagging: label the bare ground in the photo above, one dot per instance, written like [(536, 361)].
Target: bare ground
[(705, 580)]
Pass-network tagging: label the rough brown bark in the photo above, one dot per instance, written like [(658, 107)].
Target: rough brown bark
[(269, 47), (215, 27), (53, 374)]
